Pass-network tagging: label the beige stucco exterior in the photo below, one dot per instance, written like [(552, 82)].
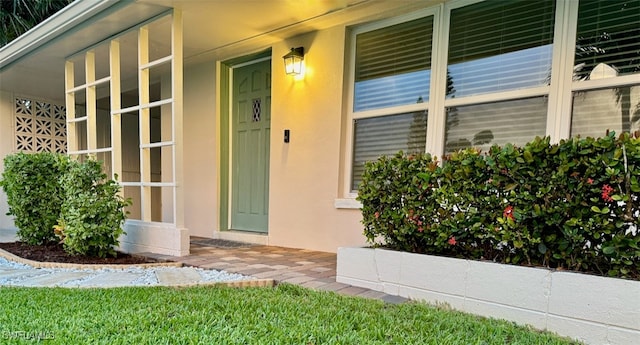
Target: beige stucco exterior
[(308, 204), (6, 147), (305, 174)]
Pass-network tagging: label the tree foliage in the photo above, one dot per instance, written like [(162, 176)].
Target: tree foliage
[(18, 16)]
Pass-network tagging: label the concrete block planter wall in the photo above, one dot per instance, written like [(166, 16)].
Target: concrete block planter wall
[(592, 309)]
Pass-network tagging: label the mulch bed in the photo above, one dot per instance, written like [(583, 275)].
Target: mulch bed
[(55, 253)]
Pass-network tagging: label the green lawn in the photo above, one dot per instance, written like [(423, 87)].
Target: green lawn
[(286, 314)]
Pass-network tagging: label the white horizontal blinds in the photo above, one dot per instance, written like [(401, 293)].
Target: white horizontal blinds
[(483, 125), (386, 135), (393, 64), (608, 33), (596, 111), (500, 45), (607, 46)]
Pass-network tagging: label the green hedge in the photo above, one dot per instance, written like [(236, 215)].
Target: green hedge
[(34, 194), (572, 205), (53, 198), (92, 212)]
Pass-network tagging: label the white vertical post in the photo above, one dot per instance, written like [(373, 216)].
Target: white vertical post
[(70, 100), (166, 168), (144, 121), (177, 89), (90, 77), (116, 117)]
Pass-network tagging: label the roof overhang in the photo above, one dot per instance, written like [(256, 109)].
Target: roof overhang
[(33, 64)]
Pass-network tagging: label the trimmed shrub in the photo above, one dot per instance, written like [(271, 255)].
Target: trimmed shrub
[(396, 194), (92, 212), (34, 195), (572, 205)]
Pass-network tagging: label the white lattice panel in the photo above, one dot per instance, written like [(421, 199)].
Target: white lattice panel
[(39, 126), (23, 106)]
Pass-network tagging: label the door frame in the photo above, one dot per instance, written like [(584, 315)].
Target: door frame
[(225, 77)]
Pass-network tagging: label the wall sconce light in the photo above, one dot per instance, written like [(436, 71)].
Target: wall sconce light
[(293, 61)]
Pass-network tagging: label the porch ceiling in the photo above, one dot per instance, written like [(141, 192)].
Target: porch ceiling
[(213, 29)]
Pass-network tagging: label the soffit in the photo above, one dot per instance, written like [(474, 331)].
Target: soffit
[(213, 29), (40, 73)]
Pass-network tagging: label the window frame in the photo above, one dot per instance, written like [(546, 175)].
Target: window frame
[(566, 85), (500, 96), (385, 111), (559, 91)]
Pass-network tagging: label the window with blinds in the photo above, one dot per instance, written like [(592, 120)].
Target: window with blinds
[(607, 46), (483, 125), (596, 111), (386, 135), (500, 45), (392, 65), (608, 39)]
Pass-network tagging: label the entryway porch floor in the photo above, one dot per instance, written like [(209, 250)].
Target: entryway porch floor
[(307, 268)]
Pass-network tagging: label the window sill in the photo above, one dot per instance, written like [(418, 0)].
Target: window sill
[(347, 203)]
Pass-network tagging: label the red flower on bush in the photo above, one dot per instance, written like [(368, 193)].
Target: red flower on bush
[(590, 180), (606, 191), (377, 215), (452, 241), (508, 212)]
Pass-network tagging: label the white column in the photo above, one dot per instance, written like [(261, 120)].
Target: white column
[(116, 117), (177, 87), (144, 121), (70, 100), (90, 77)]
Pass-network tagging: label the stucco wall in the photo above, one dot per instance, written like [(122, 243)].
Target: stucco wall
[(200, 150), (6, 147), (305, 173)]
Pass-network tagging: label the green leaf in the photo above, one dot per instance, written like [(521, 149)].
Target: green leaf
[(528, 157), (608, 250), (542, 248)]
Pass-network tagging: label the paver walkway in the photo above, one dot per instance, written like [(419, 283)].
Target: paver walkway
[(307, 268)]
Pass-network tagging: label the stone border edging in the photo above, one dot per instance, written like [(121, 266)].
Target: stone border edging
[(257, 283), (232, 284), (37, 264)]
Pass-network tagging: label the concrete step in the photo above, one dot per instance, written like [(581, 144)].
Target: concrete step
[(175, 277), (110, 279), (54, 279)]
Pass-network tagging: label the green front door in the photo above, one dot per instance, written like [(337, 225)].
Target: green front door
[(250, 130)]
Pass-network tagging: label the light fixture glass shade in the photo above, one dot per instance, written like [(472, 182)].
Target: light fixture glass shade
[(293, 61)]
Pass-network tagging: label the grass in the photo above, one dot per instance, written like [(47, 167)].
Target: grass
[(286, 314)]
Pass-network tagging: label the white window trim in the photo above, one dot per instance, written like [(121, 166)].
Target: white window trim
[(559, 92), (545, 90), (562, 83), (353, 115)]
